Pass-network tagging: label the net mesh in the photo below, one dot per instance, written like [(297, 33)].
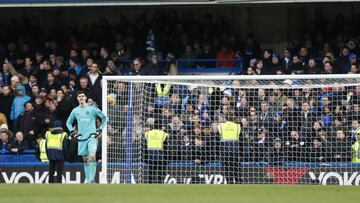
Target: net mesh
[(231, 131)]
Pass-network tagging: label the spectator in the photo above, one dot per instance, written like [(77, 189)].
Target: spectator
[(6, 140), (296, 66), (105, 57), (200, 151), (328, 68), (153, 67), (261, 146), (316, 152), (28, 122), (342, 147), (19, 144), (306, 121), (18, 105), (76, 67), (52, 83), (28, 69), (226, 53), (137, 67), (354, 69), (266, 117), (276, 155), (94, 78), (207, 53), (189, 55), (295, 147), (33, 81), (3, 119), (45, 68), (312, 67)]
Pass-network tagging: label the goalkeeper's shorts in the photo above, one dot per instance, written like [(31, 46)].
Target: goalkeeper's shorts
[(87, 147)]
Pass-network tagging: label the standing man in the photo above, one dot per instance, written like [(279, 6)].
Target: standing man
[(87, 133), (155, 139), (55, 148), (230, 147)]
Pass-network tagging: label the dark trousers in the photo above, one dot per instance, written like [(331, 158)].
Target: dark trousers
[(230, 158), (57, 165), (156, 166)]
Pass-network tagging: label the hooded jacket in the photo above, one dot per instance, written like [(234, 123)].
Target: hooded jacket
[(17, 106)]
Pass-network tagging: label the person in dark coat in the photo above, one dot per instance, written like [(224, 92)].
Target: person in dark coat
[(19, 144), (317, 152), (276, 155), (5, 140), (94, 77), (295, 147), (27, 123), (153, 68), (6, 99), (341, 147), (200, 153)]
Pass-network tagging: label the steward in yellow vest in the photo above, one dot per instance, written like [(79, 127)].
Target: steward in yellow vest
[(55, 149), (229, 133), (155, 139), (355, 149), (162, 94), (42, 150)]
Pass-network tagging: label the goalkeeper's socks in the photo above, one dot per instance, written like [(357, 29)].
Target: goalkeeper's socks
[(87, 170), (92, 167)]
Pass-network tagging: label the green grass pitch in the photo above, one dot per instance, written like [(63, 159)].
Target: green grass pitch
[(26, 193)]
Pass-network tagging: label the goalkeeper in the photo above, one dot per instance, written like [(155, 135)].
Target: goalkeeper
[(87, 133)]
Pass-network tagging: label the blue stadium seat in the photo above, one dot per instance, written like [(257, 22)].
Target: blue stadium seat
[(27, 158), (8, 158)]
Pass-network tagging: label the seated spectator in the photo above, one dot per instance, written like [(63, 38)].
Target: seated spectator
[(175, 103), (188, 56), (207, 53), (296, 67), (225, 57), (200, 152), (277, 156), (317, 152), (295, 147), (261, 146), (136, 67), (311, 67), (342, 147), (19, 144), (6, 140), (354, 69), (176, 125)]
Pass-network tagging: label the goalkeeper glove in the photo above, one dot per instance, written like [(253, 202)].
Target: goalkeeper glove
[(74, 134), (97, 133)]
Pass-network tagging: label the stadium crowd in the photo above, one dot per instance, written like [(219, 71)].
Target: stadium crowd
[(40, 76)]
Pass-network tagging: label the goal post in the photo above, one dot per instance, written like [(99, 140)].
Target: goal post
[(292, 129)]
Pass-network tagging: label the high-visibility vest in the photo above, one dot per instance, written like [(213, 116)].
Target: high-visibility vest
[(162, 92), (42, 147), (55, 141), (229, 131), (355, 152), (155, 139)]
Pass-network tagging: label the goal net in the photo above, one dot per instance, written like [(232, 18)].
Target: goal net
[(296, 129)]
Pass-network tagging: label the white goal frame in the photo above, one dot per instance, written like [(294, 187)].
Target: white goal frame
[(105, 79)]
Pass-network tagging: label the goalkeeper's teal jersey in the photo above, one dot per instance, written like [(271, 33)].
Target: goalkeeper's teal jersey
[(86, 120)]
